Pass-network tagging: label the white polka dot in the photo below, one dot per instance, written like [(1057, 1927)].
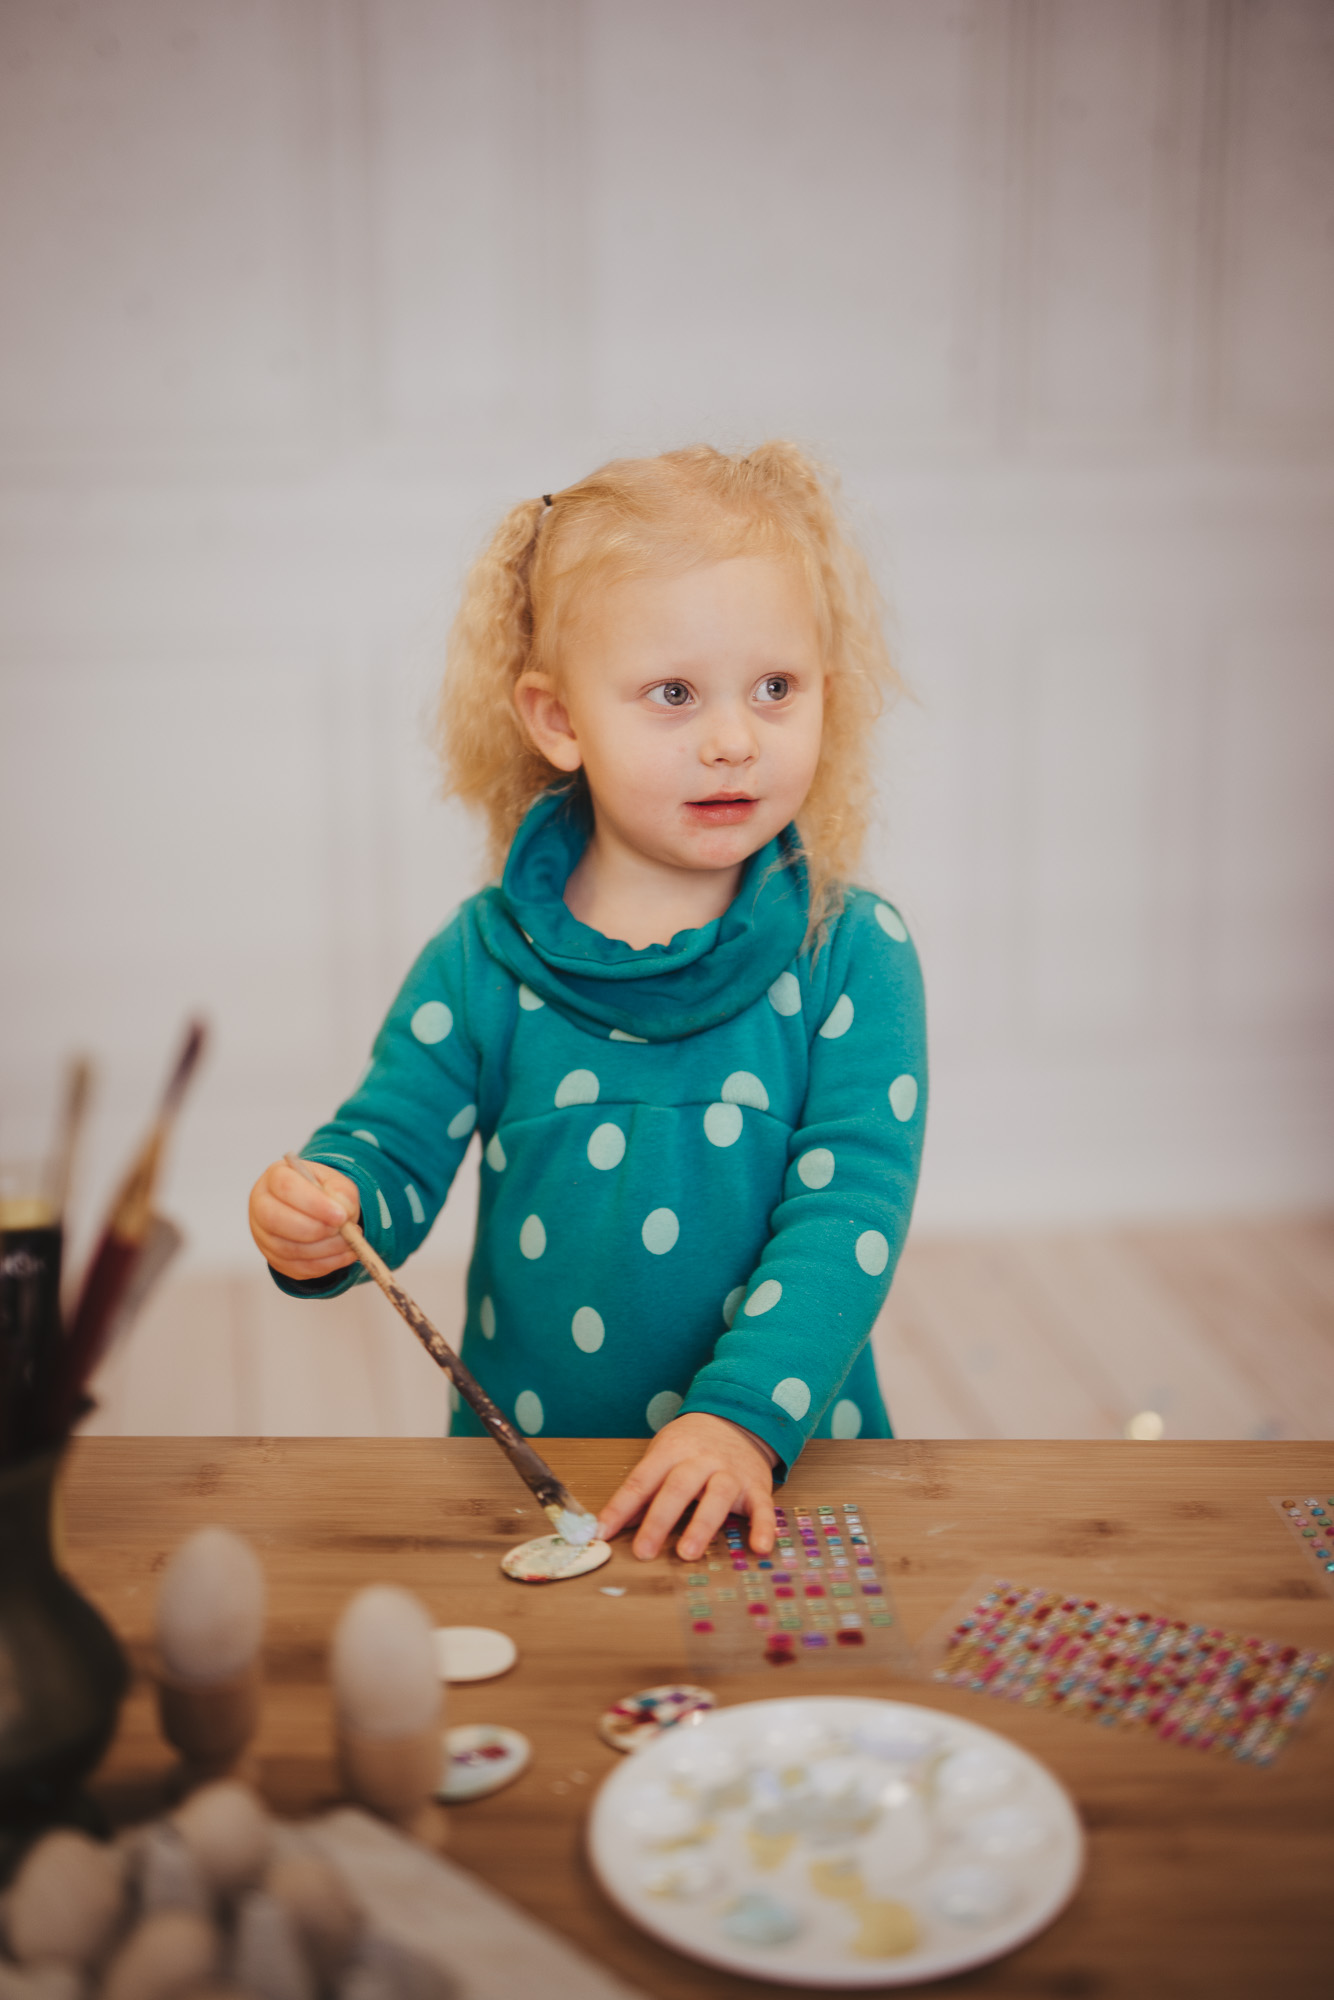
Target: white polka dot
[(606, 1148), (903, 1097), (872, 1252), (415, 1203), (785, 994), (486, 1316), (722, 1124), (840, 1018), (528, 1413), (764, 1298), (846, 1421), (793, 1396), (662, 1408), (588, 1330), (495, 1154), (461, 1124), (660, 1231), (731, 1302), (369, 1137), (529, 1000), (580, 1086), (432, 1021), (619, 1035), (532, 1237), (386, 1219), (366, 1072), (816, 1168), (893, 926), (743, 1088)]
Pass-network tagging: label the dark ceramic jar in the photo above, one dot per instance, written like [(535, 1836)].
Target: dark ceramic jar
[(62, 1674)]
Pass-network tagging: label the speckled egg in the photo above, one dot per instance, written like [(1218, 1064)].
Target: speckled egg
[(66, 1901), (229, 1834)]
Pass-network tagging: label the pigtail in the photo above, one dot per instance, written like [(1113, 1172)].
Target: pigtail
[(487, 759)]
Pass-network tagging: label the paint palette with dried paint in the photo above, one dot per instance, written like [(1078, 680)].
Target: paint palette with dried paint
[(836, 1842), (818, 1601)]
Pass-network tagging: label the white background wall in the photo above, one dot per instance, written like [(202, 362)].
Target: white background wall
[(296, 297)]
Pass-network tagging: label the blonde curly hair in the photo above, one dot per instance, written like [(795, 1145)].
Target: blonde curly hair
[(641, 515)]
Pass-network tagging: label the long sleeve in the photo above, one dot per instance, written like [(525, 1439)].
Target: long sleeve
[(853, 1162), (404, 1130)]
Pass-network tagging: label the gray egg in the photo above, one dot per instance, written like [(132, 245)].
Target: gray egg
[(268, 1956), (168, 1875), (312, 1891), (169, 1952)]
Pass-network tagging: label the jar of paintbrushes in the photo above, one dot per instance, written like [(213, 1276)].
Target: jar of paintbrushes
[(62, 1674)]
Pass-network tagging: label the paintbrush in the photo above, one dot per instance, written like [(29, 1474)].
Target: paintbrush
[(127, 1230), (78, 1089), (565, 1513)]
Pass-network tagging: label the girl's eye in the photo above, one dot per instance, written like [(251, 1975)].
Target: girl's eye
[(670, 694), (774, 687)]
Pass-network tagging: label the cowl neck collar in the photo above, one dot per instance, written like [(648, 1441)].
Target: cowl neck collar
[(664, 991)]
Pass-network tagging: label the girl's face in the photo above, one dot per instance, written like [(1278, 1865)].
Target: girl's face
[(693, 702)]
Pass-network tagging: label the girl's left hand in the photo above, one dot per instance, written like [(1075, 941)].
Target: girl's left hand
[(695, 1457)]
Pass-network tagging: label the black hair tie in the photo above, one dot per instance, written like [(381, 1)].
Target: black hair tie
[(546, 499)]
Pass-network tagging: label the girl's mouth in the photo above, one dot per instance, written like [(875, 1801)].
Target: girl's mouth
[(728, 809)]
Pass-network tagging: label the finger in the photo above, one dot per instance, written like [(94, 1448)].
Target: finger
[(301, 1269), (630, 1497), (328, 1201), (716, 1503), (325, 1249), (293, 1225), (763, 1522), (670, 1501)]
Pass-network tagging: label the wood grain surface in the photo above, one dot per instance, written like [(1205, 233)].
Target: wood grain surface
[(1204, 1876)]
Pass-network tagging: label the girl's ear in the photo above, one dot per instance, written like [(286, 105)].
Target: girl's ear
[(546, 721)]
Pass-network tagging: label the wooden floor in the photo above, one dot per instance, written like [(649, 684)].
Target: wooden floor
[(1226, 1330)]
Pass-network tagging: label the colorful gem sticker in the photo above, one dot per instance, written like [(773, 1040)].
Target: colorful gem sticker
[(818, 1600), (1310, 1519), (629, 1724), (1190, 1684)]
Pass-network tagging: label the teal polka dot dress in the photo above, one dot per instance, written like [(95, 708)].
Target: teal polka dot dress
[(698, 1160)]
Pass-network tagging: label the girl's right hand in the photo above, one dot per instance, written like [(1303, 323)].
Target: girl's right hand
[(296, 1226)]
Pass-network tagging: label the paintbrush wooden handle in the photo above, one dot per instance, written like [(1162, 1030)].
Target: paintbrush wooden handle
[(534, 1471), (113, 1262)]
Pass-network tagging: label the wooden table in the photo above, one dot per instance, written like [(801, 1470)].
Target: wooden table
[(1204, 1876)]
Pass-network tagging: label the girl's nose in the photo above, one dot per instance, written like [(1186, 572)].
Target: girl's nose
[(729, 737)]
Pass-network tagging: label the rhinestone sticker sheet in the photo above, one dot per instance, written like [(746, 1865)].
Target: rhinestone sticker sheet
[(818, 1600), (1311, 1520), (1191, 1684)]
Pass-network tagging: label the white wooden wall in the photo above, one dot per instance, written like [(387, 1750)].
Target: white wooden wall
[(296, 297)]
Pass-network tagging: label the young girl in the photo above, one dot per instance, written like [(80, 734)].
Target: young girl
[(695, 1056)]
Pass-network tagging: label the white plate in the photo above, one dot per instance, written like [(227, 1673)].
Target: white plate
[(817, 1815)]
